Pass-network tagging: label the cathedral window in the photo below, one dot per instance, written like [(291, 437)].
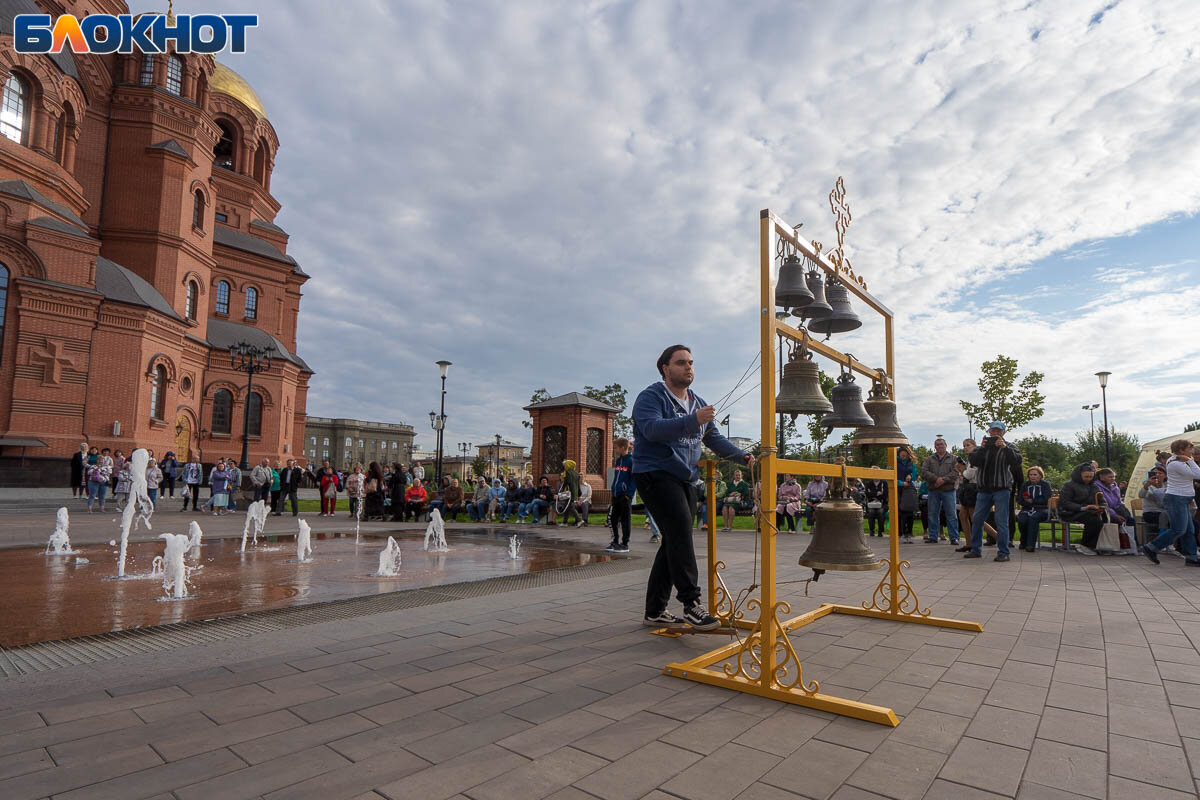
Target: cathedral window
[(198, 210), (158, 393), (254, 411), (251, 303), (223, 152), (3, 301), (222, 413), (175, 75), (14, 109), (189, 309), (147, 76), (223, 297)]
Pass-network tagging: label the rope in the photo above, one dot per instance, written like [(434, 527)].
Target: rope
[(745, 374)]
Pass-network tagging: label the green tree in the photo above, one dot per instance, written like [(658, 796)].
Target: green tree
[(616, 396), (818, 433), (481, 465), (1004, 398), (538, 396), (1192, 426), (1125, 449), (1047, 453)]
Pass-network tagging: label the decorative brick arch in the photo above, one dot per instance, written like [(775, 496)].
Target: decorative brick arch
[(164, 360), (192, 275), (267, 398), (20, 260), (221, 383), (204, 189), (42, 77)]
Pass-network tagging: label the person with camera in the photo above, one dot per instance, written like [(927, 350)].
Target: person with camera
[(1181, 474), (670, 422), (995, 461)]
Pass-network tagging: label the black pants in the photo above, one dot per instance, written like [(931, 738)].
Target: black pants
[(671, 502), (290, 496), (414, 509), (906, 523), (275, 500), (620, 515), (193, 494), (168, 486), (873, 515), (1030, 525), (1091, 527)]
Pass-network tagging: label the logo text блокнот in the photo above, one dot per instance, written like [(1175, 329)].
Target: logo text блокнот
[(120, 33)]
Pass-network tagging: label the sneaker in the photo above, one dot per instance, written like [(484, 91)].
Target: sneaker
[(655, 538), (612, 547), (972, 554), (579, 524), (621, 548), (1087, 551), (1000, 558), (1149, 553), (664, 617), (1192, 563), (699, 618), (964, 549)]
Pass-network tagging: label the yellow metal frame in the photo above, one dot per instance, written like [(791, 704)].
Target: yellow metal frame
[(763, 662)]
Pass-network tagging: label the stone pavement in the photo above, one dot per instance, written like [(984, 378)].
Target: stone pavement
[(1086, 683)]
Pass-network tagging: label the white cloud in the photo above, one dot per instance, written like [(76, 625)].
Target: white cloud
[(547, 194)]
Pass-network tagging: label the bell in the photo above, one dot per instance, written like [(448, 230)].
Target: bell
[(800, 390), (848, 410), (885, 432), (842, 318), (791, 291), (837, 538), (818, 308)]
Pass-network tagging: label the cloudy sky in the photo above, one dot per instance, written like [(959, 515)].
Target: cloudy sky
[(548, 193)]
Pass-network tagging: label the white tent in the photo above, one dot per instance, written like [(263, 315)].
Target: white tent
[(1146, 461)]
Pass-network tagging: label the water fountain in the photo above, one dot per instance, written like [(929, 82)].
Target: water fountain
[(194, 537), (435, 532), (357, 518), (139, 502), (256, 517), (60, 543), (303, 543), (174, 572), (514, 547), (389, 560)]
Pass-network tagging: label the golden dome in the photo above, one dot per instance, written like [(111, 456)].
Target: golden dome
[(226, 81)]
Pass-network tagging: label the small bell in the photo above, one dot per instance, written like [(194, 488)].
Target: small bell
[(841, 318), (848, 410), (791, 290), (818, 308), (800, 390), (885, 431)]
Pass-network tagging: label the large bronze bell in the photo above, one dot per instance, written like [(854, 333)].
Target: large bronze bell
[(791, 290), (885, 432), (841, 318), (837, 538), (848, 410), (800, 390), (818, 308)]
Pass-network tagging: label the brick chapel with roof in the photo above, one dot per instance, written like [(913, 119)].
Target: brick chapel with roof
[(137, 244)]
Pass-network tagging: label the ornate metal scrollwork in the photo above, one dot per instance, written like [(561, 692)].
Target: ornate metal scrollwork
[(905, 602), (786, 660), (748, 663), (841, 221), (723, 604)]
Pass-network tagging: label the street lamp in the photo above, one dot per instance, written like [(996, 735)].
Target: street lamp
[(443, 367), (1092, 417), (249, 358), (465, 449), (496, 474), (1103, 376)]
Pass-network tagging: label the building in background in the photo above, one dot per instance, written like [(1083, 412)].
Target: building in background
[(513, 458), (576, 427), (137, 244), (345, 441)]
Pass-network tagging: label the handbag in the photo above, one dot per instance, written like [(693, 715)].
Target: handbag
[(1110, 538), (331, 492)]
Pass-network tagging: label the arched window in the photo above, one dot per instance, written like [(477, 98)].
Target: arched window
[(222, 413), (14, 109), (3, 301), (595, 451), (326, 442), (62, 129), (223, 297), (254, 412), (189, 308), (147, 76), (198, 210), (251, 302), (223, 152), (260, 162), (158, 393), (554, 449), (175, 75)]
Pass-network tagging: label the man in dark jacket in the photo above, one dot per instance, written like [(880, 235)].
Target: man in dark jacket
[(289, 484), (1077, 503), (995, 461), (669, 424), (941, 478)]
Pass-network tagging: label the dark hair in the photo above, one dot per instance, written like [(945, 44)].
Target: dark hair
[(665, 358), (1105, 471)]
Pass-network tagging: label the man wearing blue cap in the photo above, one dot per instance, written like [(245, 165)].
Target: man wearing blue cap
[(995, 461)]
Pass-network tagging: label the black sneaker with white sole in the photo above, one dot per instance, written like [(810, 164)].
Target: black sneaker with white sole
[(699, 618), (663, 617), (613, 547), (621, 548)]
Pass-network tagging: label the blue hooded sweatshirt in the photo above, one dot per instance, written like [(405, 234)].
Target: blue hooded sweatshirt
[(623, 477), (668, 437)]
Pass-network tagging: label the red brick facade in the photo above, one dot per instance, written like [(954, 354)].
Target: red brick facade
[(576, 415), (113, 213)]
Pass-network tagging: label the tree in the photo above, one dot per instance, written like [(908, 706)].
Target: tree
[(616, 396), (818, 433), (538, 396), (1192, 426), (1001, 401), (481, 465), (1125, 450), (1047, 453)]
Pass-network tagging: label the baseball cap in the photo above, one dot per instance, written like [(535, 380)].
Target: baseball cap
[(997, 424)]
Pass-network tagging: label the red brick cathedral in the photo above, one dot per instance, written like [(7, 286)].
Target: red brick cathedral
[(137, 244)]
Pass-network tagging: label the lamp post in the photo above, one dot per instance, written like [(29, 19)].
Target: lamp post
[(496, 474), (465, 449), (443, 367), (249, 358), (1092, 417), (1103, 376)]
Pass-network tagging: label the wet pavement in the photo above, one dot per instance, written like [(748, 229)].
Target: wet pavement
[(50, 597)]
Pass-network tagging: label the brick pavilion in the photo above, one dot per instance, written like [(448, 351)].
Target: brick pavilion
[(137, 244)]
